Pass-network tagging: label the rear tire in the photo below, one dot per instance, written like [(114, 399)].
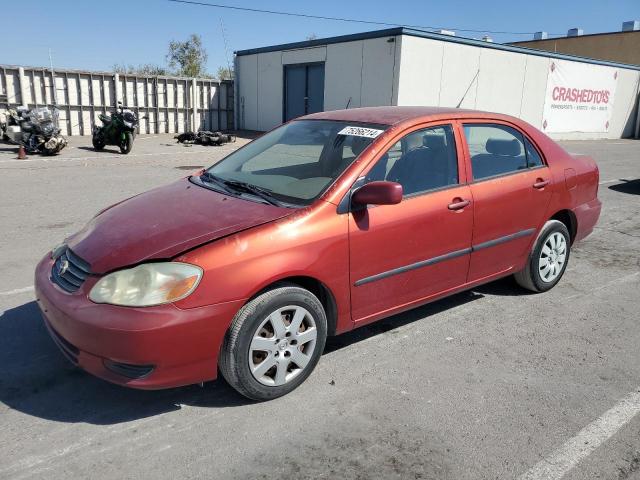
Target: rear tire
[(548, 259), (126, 144), (274, 343)]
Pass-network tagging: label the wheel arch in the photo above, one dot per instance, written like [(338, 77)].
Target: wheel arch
[(315, 286), (569, 219)]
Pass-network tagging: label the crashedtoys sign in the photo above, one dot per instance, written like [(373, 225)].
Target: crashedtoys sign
[(579, 97)]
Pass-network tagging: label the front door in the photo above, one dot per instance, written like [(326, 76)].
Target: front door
[(303, 90), (510, 196), (403, 254)]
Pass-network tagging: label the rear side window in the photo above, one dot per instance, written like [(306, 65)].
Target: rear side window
[(420, 161), (533, 157), (495, 150)]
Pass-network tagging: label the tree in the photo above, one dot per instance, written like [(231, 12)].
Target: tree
[(147, 69), (188, 58), (311, 36), (224, 74)]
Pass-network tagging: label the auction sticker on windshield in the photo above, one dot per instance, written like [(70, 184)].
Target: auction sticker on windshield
[(360, 132)]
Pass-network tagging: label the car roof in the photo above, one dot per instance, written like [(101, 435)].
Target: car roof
[(392, 115)]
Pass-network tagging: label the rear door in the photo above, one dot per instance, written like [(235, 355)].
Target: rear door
[(510, 193), (403, 254)]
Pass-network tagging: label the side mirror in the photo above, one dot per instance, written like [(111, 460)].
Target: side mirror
[(378, 193)]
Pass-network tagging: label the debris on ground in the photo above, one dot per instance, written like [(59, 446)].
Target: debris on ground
[(205, 137)]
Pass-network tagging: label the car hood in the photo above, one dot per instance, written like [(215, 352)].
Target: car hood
[(164, 222)]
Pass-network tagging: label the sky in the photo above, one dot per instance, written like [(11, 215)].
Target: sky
[(95, 35)]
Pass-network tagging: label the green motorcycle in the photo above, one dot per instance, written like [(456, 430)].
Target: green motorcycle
[(119, 129)]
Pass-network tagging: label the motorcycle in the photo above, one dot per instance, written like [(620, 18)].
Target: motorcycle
[(205, 137), (34, 129), (118, 129)]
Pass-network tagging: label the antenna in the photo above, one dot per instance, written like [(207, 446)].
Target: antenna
[(468, 88), (226, 48)]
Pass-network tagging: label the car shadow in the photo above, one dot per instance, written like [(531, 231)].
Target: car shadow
[(503, 287), (38, 381), (631, 187)]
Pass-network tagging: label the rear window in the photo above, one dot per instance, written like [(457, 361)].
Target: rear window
[(498, 150)]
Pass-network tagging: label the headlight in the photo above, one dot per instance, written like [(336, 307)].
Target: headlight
[(148, 284), (58, 250)]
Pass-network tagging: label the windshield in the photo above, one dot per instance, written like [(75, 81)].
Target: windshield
[(296, 162)]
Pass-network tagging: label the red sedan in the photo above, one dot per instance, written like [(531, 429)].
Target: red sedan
[(325, 224)]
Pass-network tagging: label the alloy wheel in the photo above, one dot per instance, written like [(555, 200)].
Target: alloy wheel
[(282, 345), (552, 257)]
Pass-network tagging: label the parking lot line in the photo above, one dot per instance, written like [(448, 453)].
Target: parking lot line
[(68, 159), (16, 291), (609, 181), (556, 465)]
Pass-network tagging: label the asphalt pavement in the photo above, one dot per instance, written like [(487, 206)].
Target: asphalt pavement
[(491, 383)]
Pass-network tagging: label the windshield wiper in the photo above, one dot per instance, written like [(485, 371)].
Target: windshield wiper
[(263, 193), (211, 178)]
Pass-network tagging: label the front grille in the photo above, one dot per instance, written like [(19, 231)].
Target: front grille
[(70, 351), (69, 271), (128, 370)]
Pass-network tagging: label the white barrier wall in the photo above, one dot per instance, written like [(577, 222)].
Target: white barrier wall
[(401, 69), (172, 104)]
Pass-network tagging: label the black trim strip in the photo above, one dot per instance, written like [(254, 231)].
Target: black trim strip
[(506, 238), (413, 266), (446, 256)]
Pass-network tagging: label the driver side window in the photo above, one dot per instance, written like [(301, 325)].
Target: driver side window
[(421, 161)]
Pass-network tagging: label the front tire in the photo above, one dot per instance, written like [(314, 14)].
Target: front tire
[(98, 141), (274, 343), (548, 259), (126, 144)]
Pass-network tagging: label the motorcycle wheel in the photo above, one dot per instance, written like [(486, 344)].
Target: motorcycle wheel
[(126, 144), (98, 142), (49, 153)]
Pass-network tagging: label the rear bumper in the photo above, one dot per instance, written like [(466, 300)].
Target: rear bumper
[(179, 347), (587, 216)]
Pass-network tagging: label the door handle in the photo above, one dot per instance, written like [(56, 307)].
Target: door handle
[(540, 183), (458, 204)]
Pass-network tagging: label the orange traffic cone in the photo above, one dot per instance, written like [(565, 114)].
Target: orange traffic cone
[(21, 153)]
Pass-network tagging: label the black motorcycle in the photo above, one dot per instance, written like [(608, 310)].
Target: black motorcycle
[(35, 129), (205, 137), (118, 129)]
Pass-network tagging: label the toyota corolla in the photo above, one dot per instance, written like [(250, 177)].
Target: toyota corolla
[(327, 223)]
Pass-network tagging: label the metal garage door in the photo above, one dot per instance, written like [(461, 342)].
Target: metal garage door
[(303, 89)]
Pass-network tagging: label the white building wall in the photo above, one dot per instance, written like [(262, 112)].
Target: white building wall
[(418, 71), (269, 90), (500, 80), (625, 103), (497, 81), (378, 59), (343, 76), (304, 55), (535, 81), (358, 73), (459, 79), (247, 88)]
